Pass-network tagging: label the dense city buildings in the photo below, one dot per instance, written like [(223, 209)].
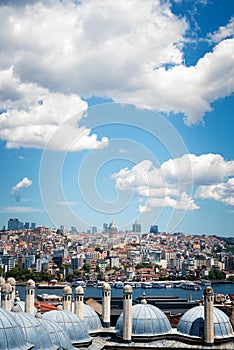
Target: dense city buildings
[(114, 254)]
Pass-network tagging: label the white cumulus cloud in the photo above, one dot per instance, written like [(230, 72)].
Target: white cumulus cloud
[(15, 190), (223, 32), (222, 192), (171, 184), (115, 49), (34, 117)]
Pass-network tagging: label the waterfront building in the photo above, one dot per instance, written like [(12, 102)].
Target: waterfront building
[(7, 261), (29, 261)]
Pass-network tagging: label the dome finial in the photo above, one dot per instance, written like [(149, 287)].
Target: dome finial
[(17, 297), (59, 307), (143, 300), (15, 307), (38, 314)]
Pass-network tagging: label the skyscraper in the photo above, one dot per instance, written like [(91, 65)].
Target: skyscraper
[(14, 224), (136, 227), (154, 229)]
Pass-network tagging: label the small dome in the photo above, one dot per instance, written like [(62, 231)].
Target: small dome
[(58, 336), (34, 332), (91, 319), (79, 290), (71, 323), (127, 289), (12, 336), (106, 286), (2, 281), (30, 284), (67, 290), (6, 288), (11, 280), (192, 323), (147, 321)]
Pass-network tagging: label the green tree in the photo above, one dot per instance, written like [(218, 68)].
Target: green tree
[(2, 272), (97, 268), (216, 274), (20, 274), (86, 267), (100, 276), (144, 265)]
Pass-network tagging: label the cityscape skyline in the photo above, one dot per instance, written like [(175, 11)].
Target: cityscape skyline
[(132, 123)]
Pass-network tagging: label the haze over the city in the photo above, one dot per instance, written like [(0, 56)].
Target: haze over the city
[(118, 109)]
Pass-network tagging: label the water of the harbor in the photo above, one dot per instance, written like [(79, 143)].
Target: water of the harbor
[(181, 293)]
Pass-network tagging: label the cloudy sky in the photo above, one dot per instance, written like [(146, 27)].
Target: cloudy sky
[(118, 109)]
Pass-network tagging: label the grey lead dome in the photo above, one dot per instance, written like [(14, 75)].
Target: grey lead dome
[(147, 321), (11, 334), (72, 324), (57, 334), (192, 323), (91, 319), (34, 332)]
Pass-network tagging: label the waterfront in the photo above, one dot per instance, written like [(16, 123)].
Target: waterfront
[(181, 293)]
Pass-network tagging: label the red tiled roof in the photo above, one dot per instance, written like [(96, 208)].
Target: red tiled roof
[(44, 306)]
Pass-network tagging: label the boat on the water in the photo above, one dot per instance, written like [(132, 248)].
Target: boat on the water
[(52, 286), (79, 284), (137, 284), (100, 284), (205, 283), (146, 285), (119, 284), (158, 285)]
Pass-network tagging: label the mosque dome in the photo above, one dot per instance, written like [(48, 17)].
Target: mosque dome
[(34, 332), (91, 319), (57, 334), (11, 334), (192, 323), (147, 321), (72, 324)]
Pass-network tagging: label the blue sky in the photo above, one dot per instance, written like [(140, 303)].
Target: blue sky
[(125, 112)]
